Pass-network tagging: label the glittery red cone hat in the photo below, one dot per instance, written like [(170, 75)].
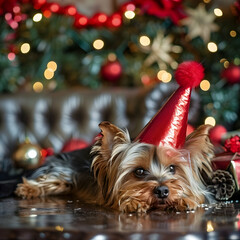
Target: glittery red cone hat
[(168, 127)]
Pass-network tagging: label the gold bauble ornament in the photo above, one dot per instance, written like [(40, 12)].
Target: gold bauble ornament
[(27, 156)]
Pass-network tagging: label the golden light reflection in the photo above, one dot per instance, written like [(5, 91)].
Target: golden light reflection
[(98, 44), (205, 85), (218, 12), (37, 87), (48, 73), (25, 48), (129, 14), (210, 121), (37, 17), (164, 76), (59, 228), (233, 33), (52, 65), (210, 227), (144, 41), (212, 47)]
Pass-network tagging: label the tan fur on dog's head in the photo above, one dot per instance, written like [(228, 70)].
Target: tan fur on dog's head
[(137, 177)]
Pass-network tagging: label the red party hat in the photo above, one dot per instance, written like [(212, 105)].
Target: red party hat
[(169, 125)]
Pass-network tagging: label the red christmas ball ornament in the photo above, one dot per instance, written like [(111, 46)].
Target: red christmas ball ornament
[(232, 74), (111, 71), (216, 134), (74, 144)]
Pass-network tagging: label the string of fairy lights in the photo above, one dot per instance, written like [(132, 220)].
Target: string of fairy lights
[(144, 41)]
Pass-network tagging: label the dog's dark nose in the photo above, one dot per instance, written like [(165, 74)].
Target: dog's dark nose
[(161, 191)]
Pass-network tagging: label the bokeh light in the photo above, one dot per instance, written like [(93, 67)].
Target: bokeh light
[(52, 65), (144, 41), (218, 12), (129, 14), (37, 87), (37, 17), (25, 48), (205, 85), (210, 121), (48, 73), (212, 47), (164, 76), (98, 44)]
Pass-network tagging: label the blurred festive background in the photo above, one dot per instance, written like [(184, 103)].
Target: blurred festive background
[(50, 45)]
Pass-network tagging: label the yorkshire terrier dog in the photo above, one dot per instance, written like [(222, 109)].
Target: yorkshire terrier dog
[(128, 176)]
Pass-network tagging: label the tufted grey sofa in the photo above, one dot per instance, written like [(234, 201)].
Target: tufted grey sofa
[(50, 119)]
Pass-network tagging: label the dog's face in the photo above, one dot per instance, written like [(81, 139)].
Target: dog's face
[(137, 177)]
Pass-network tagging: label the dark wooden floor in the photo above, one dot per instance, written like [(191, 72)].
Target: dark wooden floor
[(66, 218)]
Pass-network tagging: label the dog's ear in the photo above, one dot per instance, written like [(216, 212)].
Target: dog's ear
[(201, 149), (109, 137)]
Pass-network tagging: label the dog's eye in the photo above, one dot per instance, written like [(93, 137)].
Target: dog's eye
[(172, 169), (140, 172)]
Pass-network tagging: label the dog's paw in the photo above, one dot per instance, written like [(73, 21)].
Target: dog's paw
[(185, 205), (134, 206), (27, 190)]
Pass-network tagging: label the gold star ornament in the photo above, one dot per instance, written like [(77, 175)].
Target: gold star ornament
[(160, 51), (200, 23)]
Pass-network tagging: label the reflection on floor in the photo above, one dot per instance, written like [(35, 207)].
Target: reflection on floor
[(66, 218)]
